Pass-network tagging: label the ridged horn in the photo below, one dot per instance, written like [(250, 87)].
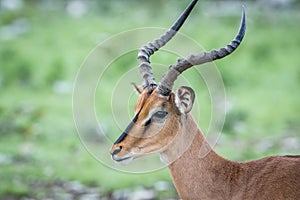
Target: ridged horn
[(146, 51), (167, 82)]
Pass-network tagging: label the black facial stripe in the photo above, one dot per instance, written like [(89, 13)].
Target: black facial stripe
[(121, 138), (135, 117), (125, 133)]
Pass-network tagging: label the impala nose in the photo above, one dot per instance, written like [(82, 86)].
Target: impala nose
[(116, 151)]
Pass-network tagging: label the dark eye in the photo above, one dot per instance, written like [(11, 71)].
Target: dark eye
[(160, 114)]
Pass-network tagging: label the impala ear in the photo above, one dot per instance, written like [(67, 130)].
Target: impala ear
[(184, 99), (137, 88)]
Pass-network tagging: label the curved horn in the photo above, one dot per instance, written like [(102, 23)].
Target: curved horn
[(167, 82), (146, 51)]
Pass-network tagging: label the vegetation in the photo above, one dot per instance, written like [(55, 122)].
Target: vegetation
[(43, 46)]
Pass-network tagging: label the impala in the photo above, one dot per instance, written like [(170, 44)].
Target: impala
[(163, 124)]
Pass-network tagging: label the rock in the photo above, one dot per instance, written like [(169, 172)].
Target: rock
[(162, 186), (142, 194), (93, 196), (75, 187), (121, 194)]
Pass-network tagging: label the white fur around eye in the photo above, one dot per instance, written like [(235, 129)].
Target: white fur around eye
[(152, 111)]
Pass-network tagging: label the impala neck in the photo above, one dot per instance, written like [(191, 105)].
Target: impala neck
[(195, 167)]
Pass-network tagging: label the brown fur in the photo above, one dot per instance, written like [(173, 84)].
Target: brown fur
[(214, 177), (181, 142)]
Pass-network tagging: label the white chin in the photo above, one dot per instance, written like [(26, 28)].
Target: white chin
[(123, 161), (126, 161)]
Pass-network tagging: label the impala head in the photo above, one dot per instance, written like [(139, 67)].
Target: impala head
[(159, 111)]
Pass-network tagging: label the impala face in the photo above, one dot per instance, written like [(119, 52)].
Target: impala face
[(159, 112), (155, 124)]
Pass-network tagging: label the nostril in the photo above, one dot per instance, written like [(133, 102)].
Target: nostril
[(116, 151)]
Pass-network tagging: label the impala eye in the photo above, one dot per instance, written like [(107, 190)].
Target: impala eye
[(160, 114)]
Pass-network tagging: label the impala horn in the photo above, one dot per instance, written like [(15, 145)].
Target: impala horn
[(167, 82), (146, 51)]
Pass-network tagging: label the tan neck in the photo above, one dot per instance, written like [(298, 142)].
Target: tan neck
[(195, 167)]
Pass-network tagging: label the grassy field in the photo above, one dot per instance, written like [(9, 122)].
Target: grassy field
[(39, 145)]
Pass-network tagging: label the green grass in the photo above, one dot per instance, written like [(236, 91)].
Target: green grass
[(37, 131), (53, 150)]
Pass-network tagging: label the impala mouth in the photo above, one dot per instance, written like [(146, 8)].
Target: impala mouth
[(123, 160)]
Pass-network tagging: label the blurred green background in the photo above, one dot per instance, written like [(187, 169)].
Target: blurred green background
[(43, 43)]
